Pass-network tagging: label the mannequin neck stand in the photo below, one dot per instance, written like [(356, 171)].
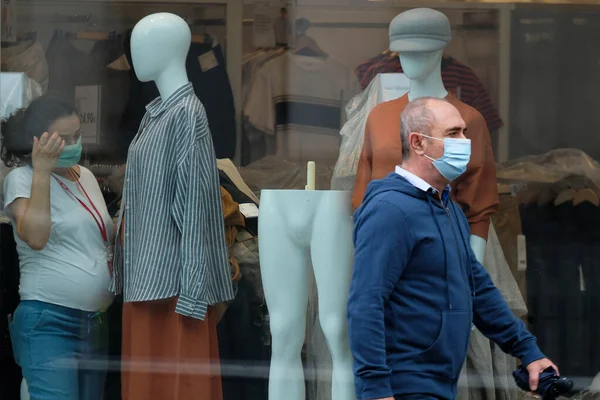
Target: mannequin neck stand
[(429, 86), (170, 80)]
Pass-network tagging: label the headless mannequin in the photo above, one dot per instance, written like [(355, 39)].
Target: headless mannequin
[(424, 71), (297, 227)]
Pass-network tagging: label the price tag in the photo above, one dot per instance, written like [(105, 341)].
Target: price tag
[(208, 61), (87, 101), (249, 210)]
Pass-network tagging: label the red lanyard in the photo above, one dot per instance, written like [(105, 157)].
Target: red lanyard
[(99, 221)]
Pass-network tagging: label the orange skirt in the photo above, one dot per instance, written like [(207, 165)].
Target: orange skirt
[(168, 356)]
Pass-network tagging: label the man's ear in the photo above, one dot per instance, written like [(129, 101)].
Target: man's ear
[(416, 142)]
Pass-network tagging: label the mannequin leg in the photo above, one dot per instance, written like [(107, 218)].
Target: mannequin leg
[(332, 254), (284, 271)]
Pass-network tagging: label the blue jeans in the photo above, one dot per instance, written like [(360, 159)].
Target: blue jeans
[(62, 351)]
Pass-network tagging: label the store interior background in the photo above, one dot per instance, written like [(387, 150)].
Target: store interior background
[(540, 63), (349, 31)]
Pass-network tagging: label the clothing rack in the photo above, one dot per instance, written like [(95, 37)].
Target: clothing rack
[(374, 25), (89, 35)]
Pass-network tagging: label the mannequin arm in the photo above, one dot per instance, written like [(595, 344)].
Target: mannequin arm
[(478, 245)]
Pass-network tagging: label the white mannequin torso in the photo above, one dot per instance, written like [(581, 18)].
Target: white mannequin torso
[(300, 228)]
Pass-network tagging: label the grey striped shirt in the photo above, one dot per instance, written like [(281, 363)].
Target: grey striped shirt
[(174, 231)]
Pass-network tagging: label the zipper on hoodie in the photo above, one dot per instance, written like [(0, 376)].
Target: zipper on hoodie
[(465, 277)]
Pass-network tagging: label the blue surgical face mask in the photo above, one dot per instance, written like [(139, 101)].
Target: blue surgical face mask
[(70, 155), (453, 163)]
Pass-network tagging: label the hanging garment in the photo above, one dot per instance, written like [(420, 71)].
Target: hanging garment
[(229, 169), (563, 285), (115, 87), (167, 355), (384, 87), (233, 221), (205, 65), (70, 68), (459, 79), (297, 99), (508, 226), (475, 191), (543, 43), (243, 354), (255, 143), (27, 56), (251, 64), (487, 373)]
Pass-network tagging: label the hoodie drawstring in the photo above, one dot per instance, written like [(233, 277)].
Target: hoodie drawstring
[(432, 209), (467, 247)]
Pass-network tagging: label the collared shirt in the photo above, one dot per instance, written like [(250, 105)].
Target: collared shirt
[(174, 233), (421, 184)]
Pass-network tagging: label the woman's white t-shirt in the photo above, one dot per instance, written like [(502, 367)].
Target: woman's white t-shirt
[(72, 270)]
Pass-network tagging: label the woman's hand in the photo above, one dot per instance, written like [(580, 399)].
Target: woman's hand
[(46, 151)]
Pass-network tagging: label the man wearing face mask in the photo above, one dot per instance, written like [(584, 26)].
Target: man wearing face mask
[(417, 287)]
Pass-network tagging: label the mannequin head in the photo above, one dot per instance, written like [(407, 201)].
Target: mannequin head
[(159, 47), (418, 65), (420, 35)]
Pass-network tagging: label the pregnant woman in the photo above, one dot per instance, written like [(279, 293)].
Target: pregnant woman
[(63, 233)]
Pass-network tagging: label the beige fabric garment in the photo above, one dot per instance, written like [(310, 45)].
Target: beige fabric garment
[(231, 171)]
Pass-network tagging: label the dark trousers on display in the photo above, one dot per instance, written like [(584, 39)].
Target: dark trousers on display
[(563, 284)]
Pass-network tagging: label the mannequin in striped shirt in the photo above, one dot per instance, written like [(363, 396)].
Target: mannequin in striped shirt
[(171, 261)]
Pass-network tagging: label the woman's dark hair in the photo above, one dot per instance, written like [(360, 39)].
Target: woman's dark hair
[(18, 129)]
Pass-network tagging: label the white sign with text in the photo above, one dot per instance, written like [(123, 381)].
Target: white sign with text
[(87, 101)]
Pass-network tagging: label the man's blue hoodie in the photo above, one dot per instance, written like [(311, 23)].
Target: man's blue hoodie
[(416, 289)]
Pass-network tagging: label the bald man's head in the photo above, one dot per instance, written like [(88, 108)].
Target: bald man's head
[(428, 116)]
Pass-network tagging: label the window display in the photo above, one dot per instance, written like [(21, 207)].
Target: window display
[(187, 128)]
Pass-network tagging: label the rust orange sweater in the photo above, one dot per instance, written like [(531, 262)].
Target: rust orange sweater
[(475, 191)]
